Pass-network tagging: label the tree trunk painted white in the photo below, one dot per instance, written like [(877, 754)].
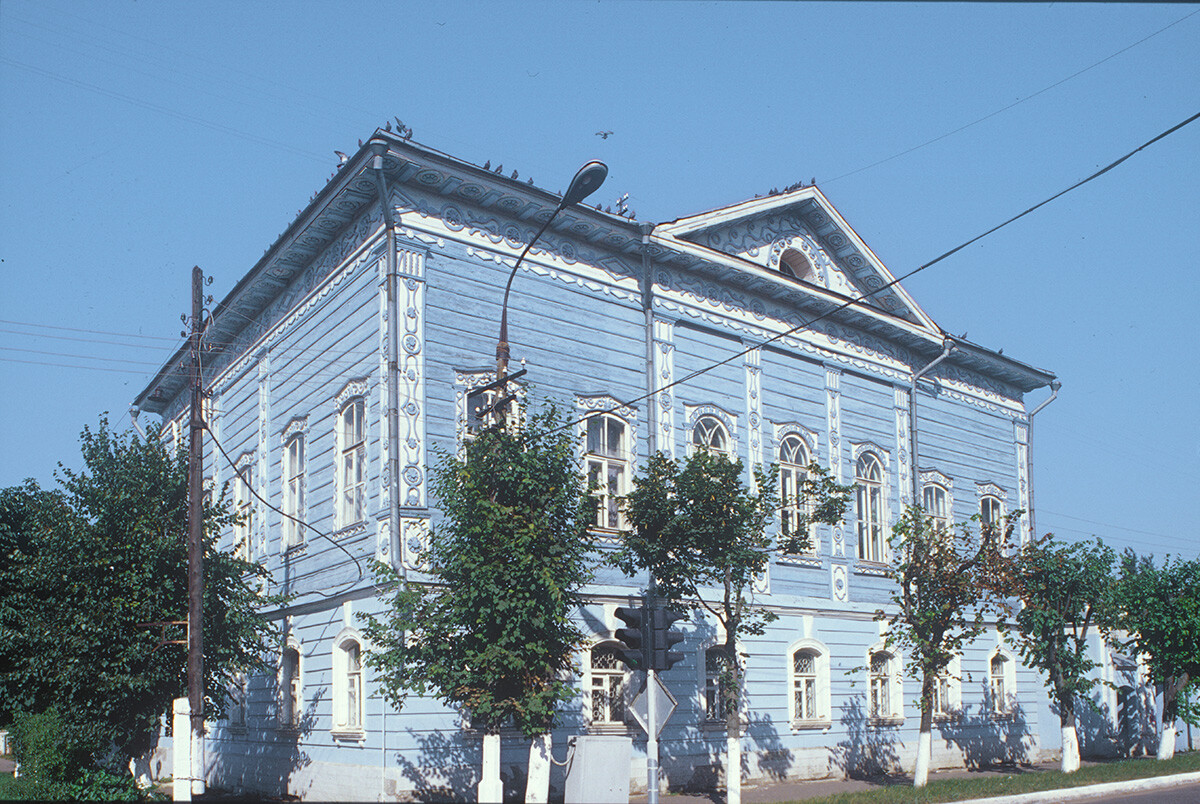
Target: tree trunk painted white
[(198, 786), (1070, 750), (537, 783), (491, 789), (924, 757), (733, 770), (1166, 742)]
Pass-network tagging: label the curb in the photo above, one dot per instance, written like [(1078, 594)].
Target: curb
[(1091, 791)]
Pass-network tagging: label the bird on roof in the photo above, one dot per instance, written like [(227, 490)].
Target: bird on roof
[(360, 142), (408, 133), (813, 181), (603, 134), (399, 123), (487, 165), (499, 168), (514, 174), (387, 126), (342, 158), (530, 180)]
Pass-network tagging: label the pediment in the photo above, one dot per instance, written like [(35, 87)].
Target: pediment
[(800, 234)]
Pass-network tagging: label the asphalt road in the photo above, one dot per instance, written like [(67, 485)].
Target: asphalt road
[(1184, 794)]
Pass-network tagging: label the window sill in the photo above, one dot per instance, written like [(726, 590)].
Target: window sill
[(343, 733), (821, 724), (613, 728), (607, 535), (294, 550), (875, 568), (886, 722), (801, 560), (351, 530)]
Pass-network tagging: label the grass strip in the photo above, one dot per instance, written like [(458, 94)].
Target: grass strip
[(1007, 784)]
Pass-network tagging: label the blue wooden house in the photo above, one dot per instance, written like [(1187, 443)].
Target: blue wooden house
[(344, 358)]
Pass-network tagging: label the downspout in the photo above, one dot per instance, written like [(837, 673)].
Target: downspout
[(947, 348), (393, 366), (134, 412), (1054, 386), (648, 311)]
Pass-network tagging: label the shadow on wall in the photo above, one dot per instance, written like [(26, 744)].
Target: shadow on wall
[(262, 758), (986, 739), (445, 766), (869, 749)]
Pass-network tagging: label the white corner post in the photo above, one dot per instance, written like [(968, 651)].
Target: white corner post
[(491, 789), (181, 741)]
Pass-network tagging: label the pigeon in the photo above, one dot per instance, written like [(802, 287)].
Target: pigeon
[(487, 165), (813, 181), (603, 134), (387, 126), (499, 168), (608, 209), (408, 133), (360, 142), (530, 180), (514, 174), (399, 124), (342, 158)]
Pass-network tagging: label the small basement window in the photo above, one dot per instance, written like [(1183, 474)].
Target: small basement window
[(795, 264)]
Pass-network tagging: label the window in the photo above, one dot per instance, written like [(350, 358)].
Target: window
[(936, 503), (793, 263), (991, 517), (237, 701), (290, 689), (804, 685), (1000, 683), (352, 464), (244, 509), (608, 468), (942, 706), (793, 468), (709, 434), (293, 490), (886, 692), (608, 687), (716, 683), (348, 686), (868, 481)]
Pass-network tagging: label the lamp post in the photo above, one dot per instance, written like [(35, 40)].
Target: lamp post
[(586, 181)]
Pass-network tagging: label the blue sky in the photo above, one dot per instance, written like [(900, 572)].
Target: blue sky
[(142, 138)]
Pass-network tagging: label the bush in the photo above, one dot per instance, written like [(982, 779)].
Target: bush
[(42, 747), (99, 785)]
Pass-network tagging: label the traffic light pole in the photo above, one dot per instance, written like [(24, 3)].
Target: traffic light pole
[(652, 743)]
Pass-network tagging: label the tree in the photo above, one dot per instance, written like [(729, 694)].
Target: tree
[(1160, 611), (697, 527), (490, 630), (1065, 591), (948, 580), (85, 567)]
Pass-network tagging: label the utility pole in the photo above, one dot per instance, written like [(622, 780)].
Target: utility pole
[(195, 544)]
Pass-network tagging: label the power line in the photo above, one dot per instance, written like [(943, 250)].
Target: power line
[(1017, 102), (81, 340), (92, 331), (78, 357)]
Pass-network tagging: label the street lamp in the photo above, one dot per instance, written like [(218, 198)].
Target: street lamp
[(586, 181)]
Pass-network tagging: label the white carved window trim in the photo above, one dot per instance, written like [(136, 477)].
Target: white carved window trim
[(890, 680), (805, 248), (244, 506), (877, 547), (294, 483), (947, 701), (592, 677), (602, 463), (349, 716), (709, 417), (937, 498), (290, 683), (1002, 705), (712, 687), (821, 716), (792, 474), (239, 690), (351, 471)]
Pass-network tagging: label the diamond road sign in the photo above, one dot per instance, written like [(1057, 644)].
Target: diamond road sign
[(665, 706)]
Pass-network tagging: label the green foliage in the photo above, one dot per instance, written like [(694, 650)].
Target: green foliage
[(84, 568), (491, 630), (948, 580), (697, 526), (1160, 610), (100, 785), (43, 748), (1065, 591)]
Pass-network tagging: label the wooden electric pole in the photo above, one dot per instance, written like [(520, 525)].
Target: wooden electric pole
[(195, 543)]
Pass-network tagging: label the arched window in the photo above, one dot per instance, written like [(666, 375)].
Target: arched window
[(808, 682), (885, 695), (293, 491), (607, 687), (804, 684), (793, 468), (238, 690), (352, 463), (868, 509), (794, 263), (1001, 683), (709, 434), (936, 502), (243, 507), (947, 690), (716, 683), (348, 685), (291, 696), (608, 468)]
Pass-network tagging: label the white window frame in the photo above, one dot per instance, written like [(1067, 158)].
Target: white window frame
[(793, 470), (1001, 706), (611, 674), (599, 465), (349, 686), (890, 681), (243, 506), (935, 500), (870, 521), (351, 470), (705, 430), (821, 716), (239, 691), (293, 479), (947, 693), (713, 689), (290, 682)]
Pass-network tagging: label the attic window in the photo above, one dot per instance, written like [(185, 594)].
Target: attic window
[(794, 264)]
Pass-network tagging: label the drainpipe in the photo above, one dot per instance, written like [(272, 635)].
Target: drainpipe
[(648, 310), (947, 347), (393, 367), (1054, 386), (134, 412)]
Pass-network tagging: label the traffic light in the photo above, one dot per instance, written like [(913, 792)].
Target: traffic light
[(634, 638), (485, 402), (664, 639)]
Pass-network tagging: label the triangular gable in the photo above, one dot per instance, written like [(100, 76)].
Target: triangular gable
[(771, 231)]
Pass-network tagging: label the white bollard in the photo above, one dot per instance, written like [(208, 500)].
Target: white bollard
[(181, 744)]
